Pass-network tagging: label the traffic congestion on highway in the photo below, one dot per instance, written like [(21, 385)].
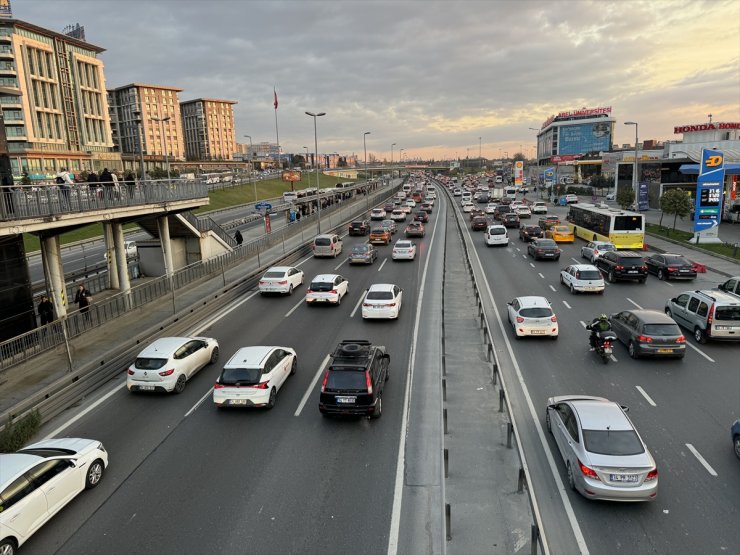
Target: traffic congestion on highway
[(260, 428)]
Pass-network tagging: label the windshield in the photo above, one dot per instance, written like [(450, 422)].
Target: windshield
[(403, 245), (357, 224), (535, 312), (617, 443), (150, 363), (378, 230), (675, 260), (546, 243), (240, 376), (321, 286), (379, 296), (360, 249)]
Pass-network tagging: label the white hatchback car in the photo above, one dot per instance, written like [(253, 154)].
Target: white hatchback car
[(398, 216), (582, 278), (594, 249), (382, 300), (377, 214), (253, 376), (532, 316), (281, 279), (523, 211), (539, 207), (491, 208), (496, 235), (168, 363), (410, 203), (467, 206), (39, 480), (404, 250), (327, 288)]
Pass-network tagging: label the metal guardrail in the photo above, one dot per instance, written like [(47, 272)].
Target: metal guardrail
[(524, 481)]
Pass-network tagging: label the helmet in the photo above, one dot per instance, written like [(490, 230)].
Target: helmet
[(603, 318)]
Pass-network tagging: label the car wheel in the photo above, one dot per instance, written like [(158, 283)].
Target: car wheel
[(571, 477), (180, 384), (572, 289), (378, 409), (736, 444), (290, 289), (632, 350), (273, 398), (294, 366), (214, 356), (8, 547), (548, 424), (668, 313), (302, 278), (94, 474), (700, 335), (339, 299), (612, 278)]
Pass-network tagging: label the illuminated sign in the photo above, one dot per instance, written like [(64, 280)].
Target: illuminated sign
[(291, 175), (585, 137), (5, 9), (709, 185), (579, 113), (705, 127)]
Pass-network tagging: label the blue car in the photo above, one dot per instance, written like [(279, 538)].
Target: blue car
[(736, 437)]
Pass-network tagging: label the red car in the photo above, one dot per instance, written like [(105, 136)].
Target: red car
[(421, 216)]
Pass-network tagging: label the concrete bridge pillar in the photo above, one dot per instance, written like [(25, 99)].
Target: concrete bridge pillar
[(110, 255), (51, 253), (121, 257), (163, 225)]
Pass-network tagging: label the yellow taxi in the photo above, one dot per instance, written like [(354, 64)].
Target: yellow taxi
[(560, 234)]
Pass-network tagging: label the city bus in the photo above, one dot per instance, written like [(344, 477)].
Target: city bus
[(623, 228)]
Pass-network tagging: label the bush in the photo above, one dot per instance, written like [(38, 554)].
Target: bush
[(582, 191), (17, 432)]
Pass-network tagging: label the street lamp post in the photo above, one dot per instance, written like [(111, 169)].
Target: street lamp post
[(480, 157), (137, 115), (634, 166), (392, 145), (306, 166), (316, 146), (367, 181), (164, 144), (251, 167)]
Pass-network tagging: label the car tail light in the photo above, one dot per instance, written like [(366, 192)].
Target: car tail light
[(519, 319), (652, 475), (553, 318), (368, 382), (323, 383), (391, 305), (578, 275), (366, 305), (589, 472), (619, 267), (130, 372), (309, 291), (333, 291), (644, 339), (167, 372), (671, 269), (681, 339), (263, 282), (596, 252), (262, 385), (710, 316), (643, 268), (284, 282)]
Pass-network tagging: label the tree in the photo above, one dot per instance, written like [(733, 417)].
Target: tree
[(519, 156), (676, 202), (299, 160), (625, 197), (600, 182)]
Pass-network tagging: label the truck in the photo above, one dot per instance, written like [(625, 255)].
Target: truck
[(495, 193)]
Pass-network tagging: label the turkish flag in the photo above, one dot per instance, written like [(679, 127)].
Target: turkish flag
[(274, 94)]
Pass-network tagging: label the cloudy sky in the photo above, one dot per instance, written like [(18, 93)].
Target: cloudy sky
[(430, 76)]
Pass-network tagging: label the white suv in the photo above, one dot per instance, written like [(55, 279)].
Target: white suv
[(496, 235), (532, 316)]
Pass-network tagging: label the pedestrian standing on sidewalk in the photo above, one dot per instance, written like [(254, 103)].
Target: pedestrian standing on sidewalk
[(106, 179), (82, 298), (46, 310), (130, 182)]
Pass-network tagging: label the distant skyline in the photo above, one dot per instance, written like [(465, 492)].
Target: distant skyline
[(430, 76)]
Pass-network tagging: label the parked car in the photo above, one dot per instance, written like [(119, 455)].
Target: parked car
[(605, 458), (670, 266), (280, 279), (528, 233), (543, 248), (496, 235), (415, 229), (532, 315), (355, 379), (403, 250), (648, 333), (380, 236), (708, 314), (382, 300), (560, 234), (253, 377), (594, 249), (327, 288), (363, 254), (582, 278), (622, 265), (359, 227), (40, 480)]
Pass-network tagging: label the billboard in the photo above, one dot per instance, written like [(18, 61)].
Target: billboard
[(585, 137), (291, 175), (518, 172), (709, 190)]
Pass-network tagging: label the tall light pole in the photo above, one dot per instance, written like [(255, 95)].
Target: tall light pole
[(634, 166), (367, 181), (480, 158), (316, 146), (164, 144), (251, 167), (392, 145), (306, 166), (138, 122)]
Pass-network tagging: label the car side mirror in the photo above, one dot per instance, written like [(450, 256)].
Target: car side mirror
[(625, 408), (673, 300)]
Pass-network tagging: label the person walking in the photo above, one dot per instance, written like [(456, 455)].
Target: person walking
[(93, 182), (83, 298), (46, 310), (64, 180), (130, 182), (238, 237)]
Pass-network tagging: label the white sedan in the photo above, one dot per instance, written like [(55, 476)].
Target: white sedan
[(168, 363), (382, 300), (491, 208), (377, 214), (327, 288), (39, 480), (582, 278), (467, 206), (404, 250), (398, 216), (539, 207), (281, 279), (523, 211)]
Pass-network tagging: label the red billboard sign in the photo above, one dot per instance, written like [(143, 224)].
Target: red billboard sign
[(291, 175), (705, 127)]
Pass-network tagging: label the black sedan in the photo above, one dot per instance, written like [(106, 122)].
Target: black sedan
[(359, 227), (510, 219), (529, 233), (670, 266), (543, 248), (648, 333)]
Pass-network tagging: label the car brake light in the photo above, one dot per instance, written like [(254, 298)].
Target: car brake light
[(323, 384), (652, 475), (167, 372), (262, 385), (366, 305), (519, 319), (263, 282), (218, 386), (643, 268), (309, 291), (618, 267), (130, 372), (644, 339), (285, 282), (710, 316), (671, 269), (391, 305), (586, 471), (554, 318), (368, 382), (681, 339), (333, 291)]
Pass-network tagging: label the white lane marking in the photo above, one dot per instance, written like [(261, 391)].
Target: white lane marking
[(647, 397), (582, 323), (340, 264), (575, 260), (668, 284), (702, 353), (518, 249), (401, 462), (580, 540), (524, 256), (200, 401), (566, 304), (311, 386), (309, 257), (383, 264), (701, 459), (104, 398), (551, 287), (633, 302), (292, 310), (613, 358), (543, 277), (359, 302)]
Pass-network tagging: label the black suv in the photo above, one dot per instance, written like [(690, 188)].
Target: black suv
[(620, 265), (359, 227), (353, 383)]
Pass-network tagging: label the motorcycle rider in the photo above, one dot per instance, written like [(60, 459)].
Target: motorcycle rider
[(598, 325)]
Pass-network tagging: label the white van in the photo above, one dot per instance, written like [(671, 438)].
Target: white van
[(290, 196), (510, 192), (329, 244), (496, 235)]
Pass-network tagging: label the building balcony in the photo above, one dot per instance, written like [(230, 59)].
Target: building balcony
[(6, 53)]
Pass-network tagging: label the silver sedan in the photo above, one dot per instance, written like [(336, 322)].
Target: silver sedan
[(605, 458)]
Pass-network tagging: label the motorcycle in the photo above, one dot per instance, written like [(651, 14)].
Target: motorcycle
[(603, 344)]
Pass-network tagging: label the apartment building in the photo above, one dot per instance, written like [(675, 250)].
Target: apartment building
[(54, 102), (209, 129)]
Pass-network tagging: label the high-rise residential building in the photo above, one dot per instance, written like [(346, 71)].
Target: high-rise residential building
[(54, 103), (141, 112), (209, 129)]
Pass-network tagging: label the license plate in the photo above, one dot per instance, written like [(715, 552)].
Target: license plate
[(238, 402), (146, 387), (346, 400), (623, 477), (631, 271), (549, 254), (665, 350), (537, 332)]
